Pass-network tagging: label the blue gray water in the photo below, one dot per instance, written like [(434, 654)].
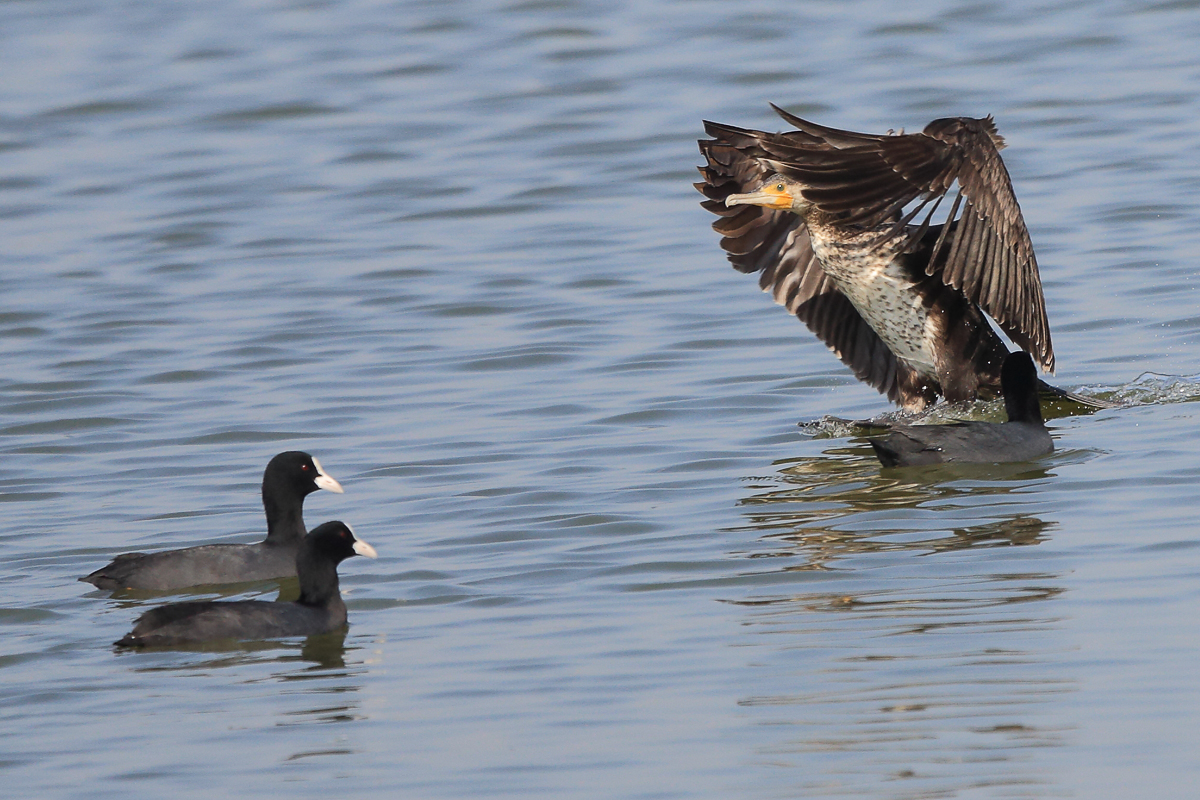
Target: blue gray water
[(452, 249)]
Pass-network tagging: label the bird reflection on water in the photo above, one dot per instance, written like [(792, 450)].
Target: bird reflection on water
[(882, 635), (828, 507), (322, 651)]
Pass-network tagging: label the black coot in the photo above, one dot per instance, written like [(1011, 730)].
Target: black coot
[(320, 608), (288, 479), (1022, 438)]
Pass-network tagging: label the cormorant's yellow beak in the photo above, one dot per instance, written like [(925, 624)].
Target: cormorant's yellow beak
[(770, 195)]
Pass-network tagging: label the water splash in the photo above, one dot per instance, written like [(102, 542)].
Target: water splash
[(830, 427), (1151, 388)]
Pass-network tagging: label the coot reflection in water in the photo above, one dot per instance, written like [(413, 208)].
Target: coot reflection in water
[(816, 513)]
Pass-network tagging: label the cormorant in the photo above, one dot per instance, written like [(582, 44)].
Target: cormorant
[(840, 226)]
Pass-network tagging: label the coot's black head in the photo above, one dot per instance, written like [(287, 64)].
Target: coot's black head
[(1019, 380), (335, 542), (296, 473)]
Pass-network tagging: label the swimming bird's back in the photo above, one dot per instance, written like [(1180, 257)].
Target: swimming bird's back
[(963, 443)]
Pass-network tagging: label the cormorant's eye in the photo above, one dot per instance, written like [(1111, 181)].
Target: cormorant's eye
[(779, 187)]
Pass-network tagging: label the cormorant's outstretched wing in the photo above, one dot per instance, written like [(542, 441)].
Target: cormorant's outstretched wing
[(870, 179), (776, 245)]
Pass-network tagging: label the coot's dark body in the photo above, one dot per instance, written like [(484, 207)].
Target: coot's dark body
[(288, 479), (320, 608), (196, 566)]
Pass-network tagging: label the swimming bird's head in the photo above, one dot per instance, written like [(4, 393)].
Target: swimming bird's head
[(776, 192)]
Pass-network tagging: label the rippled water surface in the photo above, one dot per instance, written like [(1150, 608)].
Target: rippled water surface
[(452, 249)]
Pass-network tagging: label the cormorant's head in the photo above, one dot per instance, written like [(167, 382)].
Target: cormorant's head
[(777, 192)]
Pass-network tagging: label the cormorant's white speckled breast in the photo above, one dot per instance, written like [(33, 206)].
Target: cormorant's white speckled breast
[(882, 291)]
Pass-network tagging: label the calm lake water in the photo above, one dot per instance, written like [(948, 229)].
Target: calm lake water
[(452, 249)]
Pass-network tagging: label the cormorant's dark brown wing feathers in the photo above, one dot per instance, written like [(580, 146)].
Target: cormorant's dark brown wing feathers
[(991, 260), (776, 245), (829, 136)]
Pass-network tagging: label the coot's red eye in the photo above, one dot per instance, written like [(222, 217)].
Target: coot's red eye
[(304, 467)]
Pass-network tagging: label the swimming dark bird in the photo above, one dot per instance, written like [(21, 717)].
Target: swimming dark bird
[(840, 226), (288, 479), (1022, 438), (320, 608)]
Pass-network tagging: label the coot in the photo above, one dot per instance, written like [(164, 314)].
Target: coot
[(288, 479), (1023, 437), (320, 608)]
